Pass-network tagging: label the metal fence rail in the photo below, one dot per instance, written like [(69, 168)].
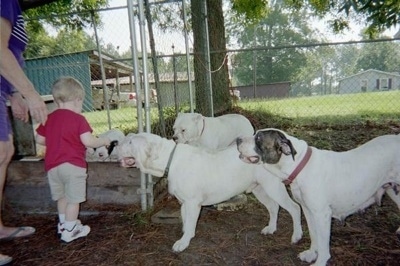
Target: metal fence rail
[(258, 74)]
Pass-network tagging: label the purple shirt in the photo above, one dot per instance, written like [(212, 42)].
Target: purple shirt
[(11, 11)]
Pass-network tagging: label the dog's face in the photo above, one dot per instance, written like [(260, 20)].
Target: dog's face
[(187, 128), (103, 153), (97, 154), (133, 151), (266, 146), (143, 151)]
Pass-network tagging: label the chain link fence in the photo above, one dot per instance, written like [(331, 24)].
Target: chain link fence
[(313, 80), (320, 80)]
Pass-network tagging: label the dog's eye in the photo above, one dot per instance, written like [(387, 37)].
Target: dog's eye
[(183, 130)]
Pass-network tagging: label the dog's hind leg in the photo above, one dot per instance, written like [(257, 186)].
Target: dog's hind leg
[(395, 196), (190, 212), (271, 206)]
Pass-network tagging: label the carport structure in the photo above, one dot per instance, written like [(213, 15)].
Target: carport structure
[(85, 66)]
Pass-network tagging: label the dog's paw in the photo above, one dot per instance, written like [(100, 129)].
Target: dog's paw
[(308, 255), (180, 245), (297, 236), (268, 230)]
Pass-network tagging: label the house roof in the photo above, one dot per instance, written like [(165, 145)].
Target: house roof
[(372, 70), (164, 77), (111, 65)]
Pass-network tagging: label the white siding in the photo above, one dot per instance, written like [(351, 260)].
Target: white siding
[(368, 80)]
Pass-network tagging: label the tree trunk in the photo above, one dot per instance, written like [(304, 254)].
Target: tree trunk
[(219, 67)]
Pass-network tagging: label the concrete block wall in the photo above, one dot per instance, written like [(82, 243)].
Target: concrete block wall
[(27, 187)]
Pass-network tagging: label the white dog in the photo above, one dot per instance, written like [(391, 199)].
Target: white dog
[(326, 183), (200, 177), (103, 153), (211, 132)]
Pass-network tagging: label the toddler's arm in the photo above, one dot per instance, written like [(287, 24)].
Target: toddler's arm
[(94, 142), (40, 139)]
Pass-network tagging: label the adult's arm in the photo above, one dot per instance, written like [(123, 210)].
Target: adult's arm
[(12, 71)]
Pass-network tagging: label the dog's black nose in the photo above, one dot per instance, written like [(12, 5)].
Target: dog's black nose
[(238, 141)]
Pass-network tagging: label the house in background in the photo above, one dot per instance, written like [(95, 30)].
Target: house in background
[(271, 90), (369, 80), (172, 87)]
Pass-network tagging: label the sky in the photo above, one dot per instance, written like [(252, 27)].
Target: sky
[(115, 30)]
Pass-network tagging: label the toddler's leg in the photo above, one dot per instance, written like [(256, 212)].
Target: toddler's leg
[(73, 228)]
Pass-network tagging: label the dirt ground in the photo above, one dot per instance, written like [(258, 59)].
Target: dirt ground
[(123, 235)]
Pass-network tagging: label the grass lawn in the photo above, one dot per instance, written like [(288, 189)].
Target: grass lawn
[(336, 108), (331, 109)]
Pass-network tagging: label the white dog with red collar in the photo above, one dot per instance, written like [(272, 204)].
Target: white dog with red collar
[(201, 177), (327, 184)]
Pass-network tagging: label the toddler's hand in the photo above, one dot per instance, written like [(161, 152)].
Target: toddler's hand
[(107, 142)]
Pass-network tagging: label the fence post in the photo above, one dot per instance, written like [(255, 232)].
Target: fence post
[(189, 75), (138, 87), (103, 74)]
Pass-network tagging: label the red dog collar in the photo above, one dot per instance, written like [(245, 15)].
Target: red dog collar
[(299, 167)]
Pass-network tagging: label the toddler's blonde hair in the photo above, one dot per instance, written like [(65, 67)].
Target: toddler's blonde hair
[(67, 89)]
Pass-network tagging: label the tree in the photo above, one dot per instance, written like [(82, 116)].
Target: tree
[(76, 14), (379, 15), (267, 65), (42, 44), (73, 17), (346, 60), (384, 56), (217, 44)]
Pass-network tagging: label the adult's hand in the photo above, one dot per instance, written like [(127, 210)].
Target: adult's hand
[(19, 107), (36, 106)]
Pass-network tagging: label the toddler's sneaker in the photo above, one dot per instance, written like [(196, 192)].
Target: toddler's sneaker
[(78, 231), (60, 227)]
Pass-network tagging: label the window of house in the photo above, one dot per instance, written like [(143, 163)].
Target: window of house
[(364, 85), (384, 84)]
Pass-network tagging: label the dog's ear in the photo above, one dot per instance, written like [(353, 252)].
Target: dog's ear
[(197, 117), (112, 145), (286, 145)]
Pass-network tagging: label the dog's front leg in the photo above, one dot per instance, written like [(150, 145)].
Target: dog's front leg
[(323, 221), (311, 254), (272, 208), (190, 212), (277, 193), (319, 225)]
